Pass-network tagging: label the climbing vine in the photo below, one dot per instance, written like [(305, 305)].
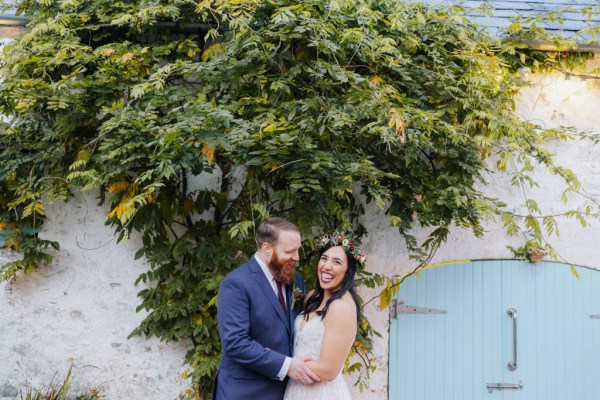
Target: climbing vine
[(313, 110)]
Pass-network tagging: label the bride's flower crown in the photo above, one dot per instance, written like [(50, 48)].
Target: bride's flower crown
[(348, 244)]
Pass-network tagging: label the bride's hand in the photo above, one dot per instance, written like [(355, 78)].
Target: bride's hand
[(300, 372)]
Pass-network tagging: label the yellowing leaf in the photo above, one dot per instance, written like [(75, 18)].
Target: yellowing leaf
[(83, 155), (107, 52), (212, 51), (118, 211), (118, 187), (39, 208), (574, 272), (12, 243), (122, 208), (514, 27), (127, 57), (270, 128), (392, 121), (376, 80), (365, 324), (25, 104), (35, 206), (397, 121), (209, 152), (3, 225), (400, 128), (385, 296)]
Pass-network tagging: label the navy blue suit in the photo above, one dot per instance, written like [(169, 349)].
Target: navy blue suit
[(256, 335)]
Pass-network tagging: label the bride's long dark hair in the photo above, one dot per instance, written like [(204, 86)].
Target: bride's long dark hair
[(347, 285)]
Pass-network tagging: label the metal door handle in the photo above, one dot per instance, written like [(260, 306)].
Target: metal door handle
[(513, 314)]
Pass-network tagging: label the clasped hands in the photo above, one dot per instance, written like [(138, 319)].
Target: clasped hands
[(300, 372)]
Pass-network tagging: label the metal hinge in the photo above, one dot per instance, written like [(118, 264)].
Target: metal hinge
[(401, 308)]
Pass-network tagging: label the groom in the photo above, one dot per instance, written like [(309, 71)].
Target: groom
[(256, 319)]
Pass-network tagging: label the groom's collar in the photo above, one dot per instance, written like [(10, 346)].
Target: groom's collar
[(264, 268)]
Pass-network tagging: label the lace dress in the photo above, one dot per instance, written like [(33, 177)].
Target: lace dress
[(307, 342)]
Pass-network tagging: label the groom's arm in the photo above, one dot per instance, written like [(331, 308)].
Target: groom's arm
[(234, 329)]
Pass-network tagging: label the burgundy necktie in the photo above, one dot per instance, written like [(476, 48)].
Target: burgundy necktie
[(280, 296)]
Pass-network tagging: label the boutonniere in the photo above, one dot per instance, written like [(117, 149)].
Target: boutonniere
[(297, 297)]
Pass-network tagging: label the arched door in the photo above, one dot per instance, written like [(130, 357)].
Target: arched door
[(459, 326)]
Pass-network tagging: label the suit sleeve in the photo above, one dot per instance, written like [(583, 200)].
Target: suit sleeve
[(300, 283), (234, 329)]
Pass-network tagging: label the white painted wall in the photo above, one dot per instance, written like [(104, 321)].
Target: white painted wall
[(81, 308)]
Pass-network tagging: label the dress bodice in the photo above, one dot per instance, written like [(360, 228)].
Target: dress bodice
[(308, 338)]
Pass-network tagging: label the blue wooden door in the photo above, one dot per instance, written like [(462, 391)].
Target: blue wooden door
[(456, 354)]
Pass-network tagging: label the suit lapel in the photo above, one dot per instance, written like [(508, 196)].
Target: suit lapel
[(290, 311), (268, 292)]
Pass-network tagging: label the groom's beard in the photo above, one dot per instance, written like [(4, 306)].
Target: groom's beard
[(283, 271)]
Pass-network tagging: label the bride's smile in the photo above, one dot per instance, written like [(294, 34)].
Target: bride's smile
[(332, 268)]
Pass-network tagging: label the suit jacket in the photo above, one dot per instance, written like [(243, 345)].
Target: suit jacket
[(256, 335)]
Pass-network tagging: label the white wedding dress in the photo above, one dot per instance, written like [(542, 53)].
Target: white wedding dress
[(307, 342)]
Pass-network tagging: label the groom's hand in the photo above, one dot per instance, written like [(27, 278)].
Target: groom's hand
[(300, 372)]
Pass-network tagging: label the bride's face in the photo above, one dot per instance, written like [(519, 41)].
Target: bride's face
[(332, 269)]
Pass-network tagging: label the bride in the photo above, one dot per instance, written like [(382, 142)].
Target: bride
[(326, 329)]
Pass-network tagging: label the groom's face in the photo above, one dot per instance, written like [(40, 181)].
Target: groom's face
[(285, 256)]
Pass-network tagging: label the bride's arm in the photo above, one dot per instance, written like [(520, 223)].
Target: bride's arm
[(340, 333)]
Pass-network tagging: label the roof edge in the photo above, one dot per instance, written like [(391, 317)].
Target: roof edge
[(17, 20), (13, 20), (549, 46)]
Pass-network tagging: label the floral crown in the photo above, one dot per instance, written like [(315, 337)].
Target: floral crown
[(348, 244)]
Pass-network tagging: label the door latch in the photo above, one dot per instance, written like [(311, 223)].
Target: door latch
[(504, 386)]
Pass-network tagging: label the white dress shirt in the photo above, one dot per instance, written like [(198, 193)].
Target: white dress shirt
[(286, 364)]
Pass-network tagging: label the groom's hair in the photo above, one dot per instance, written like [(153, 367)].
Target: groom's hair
[(268, 231)]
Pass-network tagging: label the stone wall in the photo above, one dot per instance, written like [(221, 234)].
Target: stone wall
[(79, 311)]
